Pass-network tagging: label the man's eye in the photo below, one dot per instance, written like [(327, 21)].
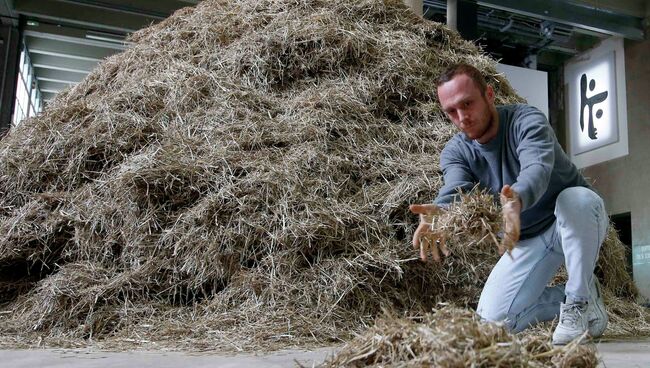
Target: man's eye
[(467, 103)]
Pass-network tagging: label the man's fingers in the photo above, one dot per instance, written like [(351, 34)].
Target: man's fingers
[(443, 246), (506, 191), (435, 254), (508, 242), (429, 246), (501, 248), (515, 236), (416, 238), (424, 244), (513, 228), (424, 209), (505, 244), (507, 194), (425, 236), (426, 219), (511, 218), (420, 232)]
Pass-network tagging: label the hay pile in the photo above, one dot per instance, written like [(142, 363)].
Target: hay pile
[(240, 178), (452, 337)]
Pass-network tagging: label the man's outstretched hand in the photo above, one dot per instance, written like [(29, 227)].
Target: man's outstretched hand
[(426, 238), (511, 211)]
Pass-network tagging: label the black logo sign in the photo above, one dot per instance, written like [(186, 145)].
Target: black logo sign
[(591, 101)]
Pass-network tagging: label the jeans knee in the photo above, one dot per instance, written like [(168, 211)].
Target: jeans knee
[(497, 316), (577, 202)]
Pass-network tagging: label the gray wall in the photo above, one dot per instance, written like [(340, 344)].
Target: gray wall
[(625, 182)]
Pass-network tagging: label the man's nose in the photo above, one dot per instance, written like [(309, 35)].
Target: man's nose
[(462, 116)]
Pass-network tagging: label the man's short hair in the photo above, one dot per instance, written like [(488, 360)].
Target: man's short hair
[(468, 70)]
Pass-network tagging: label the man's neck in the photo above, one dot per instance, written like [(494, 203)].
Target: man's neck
[(492, 129)]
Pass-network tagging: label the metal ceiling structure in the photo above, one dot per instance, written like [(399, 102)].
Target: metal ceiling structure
[(67, 38), (550, 30)]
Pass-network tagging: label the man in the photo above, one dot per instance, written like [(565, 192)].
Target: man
[(550, 212)]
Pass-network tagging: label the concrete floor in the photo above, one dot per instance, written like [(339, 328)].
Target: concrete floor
[(73, 358), (614, 354)]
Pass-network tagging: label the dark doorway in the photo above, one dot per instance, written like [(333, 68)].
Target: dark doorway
[(623, 225)]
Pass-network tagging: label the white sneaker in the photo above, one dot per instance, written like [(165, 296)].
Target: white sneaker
[(573, 323), (596, 313)]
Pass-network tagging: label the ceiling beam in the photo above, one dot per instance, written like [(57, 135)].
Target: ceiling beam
[(67, 76), (63, 55), (52, 86), (92, 17), (116, 6), (60, 63), (575, 15), (74, 40), (67, 49), (154, 8), (60, 81), (67, 31)]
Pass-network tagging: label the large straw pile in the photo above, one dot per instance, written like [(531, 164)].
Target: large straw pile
[(238, 178)]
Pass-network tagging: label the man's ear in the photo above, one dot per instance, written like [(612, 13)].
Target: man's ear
[(489, 94)]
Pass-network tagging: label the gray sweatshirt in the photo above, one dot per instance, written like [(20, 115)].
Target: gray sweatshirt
[(524, 154)]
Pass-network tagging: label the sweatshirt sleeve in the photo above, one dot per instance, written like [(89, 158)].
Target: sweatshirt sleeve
[(456, 172), (535, 145)]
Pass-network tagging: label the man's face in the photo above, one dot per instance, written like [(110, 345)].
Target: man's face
[(466, 107)]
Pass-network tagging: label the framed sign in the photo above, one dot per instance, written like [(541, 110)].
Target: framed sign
[(596, 104)]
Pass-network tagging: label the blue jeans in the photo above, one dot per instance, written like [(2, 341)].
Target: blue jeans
[(516, 291)]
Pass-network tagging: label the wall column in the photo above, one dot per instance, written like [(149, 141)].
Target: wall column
[(9, 59)]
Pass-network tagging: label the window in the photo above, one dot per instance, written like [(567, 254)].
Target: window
[(28, 96)]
